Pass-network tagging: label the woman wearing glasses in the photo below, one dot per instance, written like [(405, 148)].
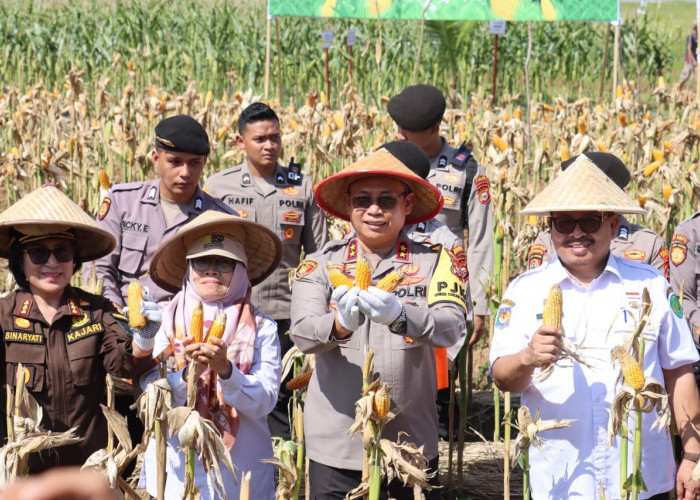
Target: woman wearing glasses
[(216, 259), (66, 339)]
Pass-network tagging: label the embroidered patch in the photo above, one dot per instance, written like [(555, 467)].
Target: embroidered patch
[(679, 249), (289, 233), (22, 323), (79, 321), (484, 188), (73, 308), (503, 316), (409, 275), (623, 233), (243, 214), (664, 258), (24, 337), (507, 302), (351, 254), (246, 180), (84, 303), (291, 216), (198, 203), (119, 316), (449, 200), (676, 305), (291, 191), (634, 254), (84, 332), (24, 308), (402, 250), (409, 340), (305, 267), (459, 262), (535, 255), (450, 177), (104, 208)]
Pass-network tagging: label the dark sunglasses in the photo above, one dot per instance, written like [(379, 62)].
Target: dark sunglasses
[(41, 254), (385, 201), (588, 224), (222, 265)]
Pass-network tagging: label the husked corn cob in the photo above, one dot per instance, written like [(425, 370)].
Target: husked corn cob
[(135, 294), (104, 179), (631, 371), (551, 316), (518, 114), (381, 401), (651, 168), (565, 152), (581, 126), (623, 119), (389, 282), (337, 277), (668, 190), (499, 143), (301, 381), (363, 274), (658, 155), (216, 330), (197, 323)]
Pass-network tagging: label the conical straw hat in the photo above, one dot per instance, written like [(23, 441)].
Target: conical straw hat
[(582, 187), (262, 247), (46, 211), (427, 201)]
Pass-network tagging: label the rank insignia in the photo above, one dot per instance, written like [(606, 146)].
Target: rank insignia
[(679, 249), (402, 250), (623, 233), (246, 180), (22, 323), (442, 162), (484, 188), (198, 203), (104, 208), (351, 254), (305, 267), (280, 179), (635, 254), (73, 308), (535, 255), (291, 216), (152, 193), (420, 227), (24, 308), (289, 233)]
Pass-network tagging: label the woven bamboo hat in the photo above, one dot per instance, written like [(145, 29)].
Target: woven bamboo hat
[(262, 247), (582, 187), (427, 200), (47, 212)]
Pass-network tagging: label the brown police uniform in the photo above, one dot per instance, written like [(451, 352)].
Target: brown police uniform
[(449, 172), (67, 360), (433, 295), (632, 242), (285, 204), (132, 213), (685, 269)]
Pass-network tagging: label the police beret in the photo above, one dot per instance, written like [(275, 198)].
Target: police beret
[(610, 164), (183, 134), (410, 155), (417, 107)]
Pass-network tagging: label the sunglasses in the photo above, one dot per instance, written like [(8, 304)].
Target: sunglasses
[(385, 201), (41, 254), (588, 224), (204, 263)]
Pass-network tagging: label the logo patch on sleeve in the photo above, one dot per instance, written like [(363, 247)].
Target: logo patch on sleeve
[(679, 249), (535, 255), (445, 285), (675, 305), (503, 316), (305, 268), (483, 186), (664, 258), (104, 208)]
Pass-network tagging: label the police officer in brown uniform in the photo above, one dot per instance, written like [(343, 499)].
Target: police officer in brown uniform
[(141, 214), (685, 272), (66, 339), (282, 199), (632, 241), (418, 111)]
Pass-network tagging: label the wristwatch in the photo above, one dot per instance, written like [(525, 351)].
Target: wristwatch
[(693, 457), (399, 324)]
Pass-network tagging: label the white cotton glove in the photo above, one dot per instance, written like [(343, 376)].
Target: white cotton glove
[(145, 338), (348, 311), (381, 307)]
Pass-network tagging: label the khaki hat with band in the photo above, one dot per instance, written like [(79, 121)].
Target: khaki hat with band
[(47, 212), (330, 192), (216, 233), (583, 187)]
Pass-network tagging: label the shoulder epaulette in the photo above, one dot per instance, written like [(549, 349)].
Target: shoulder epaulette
[(128, 186), (294, 175), (461, 156)]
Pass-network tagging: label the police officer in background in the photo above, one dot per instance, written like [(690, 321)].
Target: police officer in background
[(418, 111), (685, 262), (282, 199), (141, 214), (633, 242)]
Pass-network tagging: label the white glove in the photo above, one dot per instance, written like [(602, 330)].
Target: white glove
[(145, 338), (348, 311), (381, 307)]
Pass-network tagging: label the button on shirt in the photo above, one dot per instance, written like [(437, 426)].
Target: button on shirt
[(575, 461)]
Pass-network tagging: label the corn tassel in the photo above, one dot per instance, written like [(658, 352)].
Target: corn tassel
[(551, 315), (337, 277), (216, 330), (389, 282), (631, 371), (197, 323), (135, 294), (363, 274)]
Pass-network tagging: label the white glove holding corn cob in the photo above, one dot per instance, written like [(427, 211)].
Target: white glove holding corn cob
[(144, 316), (348, 311), (381, 307)]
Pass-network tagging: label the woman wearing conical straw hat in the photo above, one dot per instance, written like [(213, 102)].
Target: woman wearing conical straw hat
[(66, 339), (215, 260)]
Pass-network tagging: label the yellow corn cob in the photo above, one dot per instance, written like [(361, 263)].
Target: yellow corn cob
[(642, 200), (197, 323), (581, 126), (547, 107), (651, 168), (565, 152), (135, 294), (631, 371), (208, 99), (506, 116), (301, 381), (338, 120), (499, 143), (618, 92), (326, 131), (104, 179), (337, 277), (524, 419), (667, 191), (389, 282), (661, 82), (532, 220), (293, 124), (221, 132), (658, 155), (216, 330), (551, 315), (518, 114), (668, 146), (623, 119), (363, 274), (381, 401), (647, 116), (602, 147), (238, 97)]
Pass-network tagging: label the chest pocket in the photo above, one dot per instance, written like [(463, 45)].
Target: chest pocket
[(84, 355), (32, 357), (291, 221), (133, 251)]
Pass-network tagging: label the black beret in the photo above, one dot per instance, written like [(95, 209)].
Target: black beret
[(410, 155), (183, 134), (417, 107), (610, 164)]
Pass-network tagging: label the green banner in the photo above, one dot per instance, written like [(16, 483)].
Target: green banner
[(442, 10)]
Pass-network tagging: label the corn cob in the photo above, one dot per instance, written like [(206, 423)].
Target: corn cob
[(668, 190), (338, 120), (618, 92), (551, 316), (518, 113), (208, 99), (135, 294), (337, 277), (623, 119), (547, 107), (499, 143), (651, 168), (602, 147), (216, 330), (631, 371), (221, 133), (363, 274), (197, 323), (381, 401), (658, 156), (565, 152), (301, 381), (104, 180), (642, 200), (389, 282), (581, 126)]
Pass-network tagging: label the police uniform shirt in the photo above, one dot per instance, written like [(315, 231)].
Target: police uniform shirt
[(685, 268), (285, 204)]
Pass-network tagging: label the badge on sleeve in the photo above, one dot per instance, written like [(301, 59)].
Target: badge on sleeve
[(535, 255), (484, 188), (675, 305), (503, 316), (445, 285), (679, 249), (305, 268), (104, 208), (664, 259)]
